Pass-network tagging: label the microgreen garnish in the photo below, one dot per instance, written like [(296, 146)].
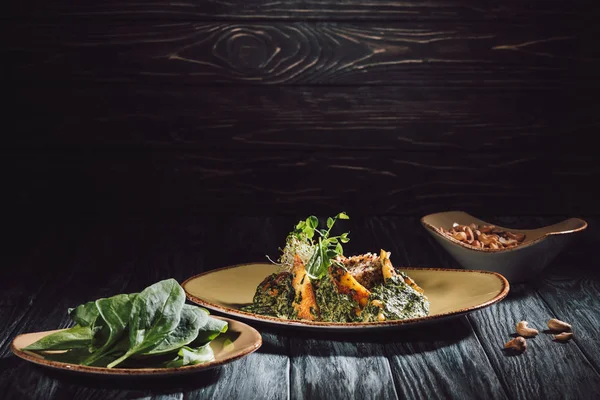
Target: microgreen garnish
[(314, 246)]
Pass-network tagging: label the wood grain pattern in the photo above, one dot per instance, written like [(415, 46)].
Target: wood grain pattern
[(573, 299), (458, 54), (18, 291), (461, 357), (358, 364), (351, 370), (76, 282), (436, 120), (561, 297), (520, 376), (241, 183), (573, 377), (460, 369), (290, 9)]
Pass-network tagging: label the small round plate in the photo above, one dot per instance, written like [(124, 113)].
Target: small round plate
[(239, 341)]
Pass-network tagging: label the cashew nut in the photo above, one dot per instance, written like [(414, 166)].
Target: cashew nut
[(487, 239), (486, 228), (519, 237), (380, 317), (460, 236), (484, 236), (470, 236), (563, 337), (508, 242), (518, 344), (525, 331), (558, 326)]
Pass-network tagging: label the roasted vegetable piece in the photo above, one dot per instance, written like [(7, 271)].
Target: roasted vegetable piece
[(386, 265), (305, 303), (389, 271), (346, 284)]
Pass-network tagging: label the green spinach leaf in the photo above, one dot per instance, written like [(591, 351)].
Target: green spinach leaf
[(209, 331), (72, 338), (155, 312), (115, 312), (84, 314), (192, 356), (192, 319)]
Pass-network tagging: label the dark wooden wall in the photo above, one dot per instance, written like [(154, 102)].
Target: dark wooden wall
[(288, 106)]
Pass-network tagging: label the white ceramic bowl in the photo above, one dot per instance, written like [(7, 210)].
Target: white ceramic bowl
[(520, 263)]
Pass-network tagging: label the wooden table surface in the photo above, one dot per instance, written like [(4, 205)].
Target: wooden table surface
[(46, 270)]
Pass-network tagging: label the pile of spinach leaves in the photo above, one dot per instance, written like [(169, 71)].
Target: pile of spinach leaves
[(153, 328)]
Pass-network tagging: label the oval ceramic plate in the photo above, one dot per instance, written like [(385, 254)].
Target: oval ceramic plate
[(239, 341), (451, 292)]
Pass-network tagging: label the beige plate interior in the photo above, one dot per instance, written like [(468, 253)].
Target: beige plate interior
[(239, 341), (450, 292)]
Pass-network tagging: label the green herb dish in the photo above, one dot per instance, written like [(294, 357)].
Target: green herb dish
[(318, 283), (313, 285), (150, 330)]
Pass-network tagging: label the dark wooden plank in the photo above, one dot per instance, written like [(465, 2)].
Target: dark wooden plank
[(290, 9), (30, 266), (263, 374), (361, 182), (547, 369), (332, 365), (179, 250), (424, 355), (447, 362), (451, 366), (101, 265), (303, 118), (529, 375), (409, 54), (326, 369), (572, 287), (576, 302), (421, 360)]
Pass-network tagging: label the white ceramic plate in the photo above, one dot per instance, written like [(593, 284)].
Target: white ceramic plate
[(450, 292), (239, 341)]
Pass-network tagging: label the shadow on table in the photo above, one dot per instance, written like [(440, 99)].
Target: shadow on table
[(442, 332)]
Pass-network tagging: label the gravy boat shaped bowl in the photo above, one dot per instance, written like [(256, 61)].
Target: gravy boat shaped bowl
[(520, 263)]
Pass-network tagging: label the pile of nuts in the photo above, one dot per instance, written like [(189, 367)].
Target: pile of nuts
[(484, 236), (563, 332)]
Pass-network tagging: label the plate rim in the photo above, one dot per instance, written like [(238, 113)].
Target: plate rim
[(140, 372), (347, 325)]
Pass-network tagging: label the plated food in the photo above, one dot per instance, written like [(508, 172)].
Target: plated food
[(450, 292), (240, 340), (152, 329), (318, 283), (313, 285)]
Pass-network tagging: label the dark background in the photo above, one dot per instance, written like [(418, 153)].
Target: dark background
[(143, 140), (128, 109)]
